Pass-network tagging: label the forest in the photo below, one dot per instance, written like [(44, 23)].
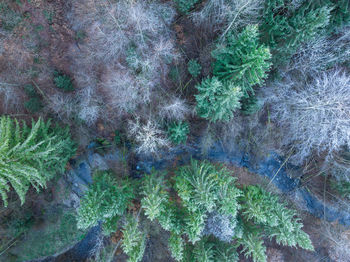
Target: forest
[(174, 130)]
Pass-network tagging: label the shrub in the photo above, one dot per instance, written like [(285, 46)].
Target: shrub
[(178, 131), (313, 115), (217, 100), (33, 105), (105, 201), (242, 60), (194, 68), (63, 81), (133, 242), (29, 156), (185, 6)]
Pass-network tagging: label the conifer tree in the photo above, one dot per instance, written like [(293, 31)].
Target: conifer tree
[(285, 29), (176, 246), (204, 189), (30, 156), (242, 60), (134, 240), (217, 100), (178, 131), (263, 208), (105, 201)]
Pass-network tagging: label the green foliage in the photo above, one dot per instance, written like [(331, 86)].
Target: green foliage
[(250, 104), (217, 100), (241, 60), (34, 104), (263, 208), (17, 224), (194, 68), (63, 81), (155, 202), (342, 187), (155, 195), (178, 131), (204, 188), (175, 74), (194, 225), (105, 201), (225, 252), (204, 252), (80, 35), (285, 30), (253, 246), (185, 6), (339, 15), (133, 240), (176, 246), (31, 156), (212, 251)]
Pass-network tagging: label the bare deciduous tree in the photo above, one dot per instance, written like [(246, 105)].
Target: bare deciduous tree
[(229, 14), (127, 50), (149, 137), (320, 54), (175, 109), (314, 116)]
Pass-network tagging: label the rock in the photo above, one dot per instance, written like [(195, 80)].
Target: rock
[(72, 200), (98, 162)]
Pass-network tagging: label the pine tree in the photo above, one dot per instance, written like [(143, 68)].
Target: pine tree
[(242, 60), (176, 246), (196, 186), (339, 15), (155, 195), (253, 246), (134, 239), (105, 201), (204, 252), (208, 202), (30, 156), (217, 100), (178, 131), (156, 203), (285, 29), (264, 209)]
